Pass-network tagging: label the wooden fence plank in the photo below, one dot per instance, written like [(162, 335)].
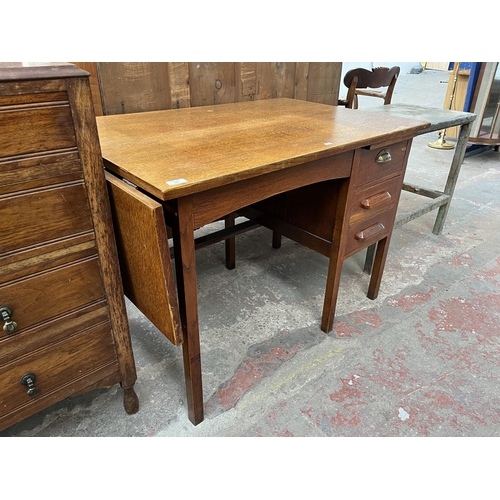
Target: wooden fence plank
[(247, 79), (212, 83), (323, 82), (179, 84), (275, 79), (131, 87), (301, 76)]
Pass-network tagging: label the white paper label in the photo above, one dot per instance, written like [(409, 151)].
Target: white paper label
[(176, 181)]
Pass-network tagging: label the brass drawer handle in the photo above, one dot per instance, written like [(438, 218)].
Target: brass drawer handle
[(369, 232), (384, 156), (29, 380), (9, 325), (377, 199)]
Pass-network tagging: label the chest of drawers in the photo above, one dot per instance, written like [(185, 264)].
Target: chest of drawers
[(64, 324)]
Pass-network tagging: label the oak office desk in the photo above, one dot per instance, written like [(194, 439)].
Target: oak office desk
[(328, 177)]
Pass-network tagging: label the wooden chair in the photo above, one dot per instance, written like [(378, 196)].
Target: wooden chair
[(360, 81)]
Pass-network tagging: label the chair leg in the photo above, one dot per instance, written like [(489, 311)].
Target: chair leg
[(230, 243), (276, 239)]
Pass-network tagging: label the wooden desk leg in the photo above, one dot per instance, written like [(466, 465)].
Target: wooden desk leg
[(185, 264), (378, 268), (337, 252), (456, 164), (331, 294)]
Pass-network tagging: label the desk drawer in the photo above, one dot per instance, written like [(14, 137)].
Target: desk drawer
[(36, 129), (56, 366), (379, 163), (374, 200), (369, 231)]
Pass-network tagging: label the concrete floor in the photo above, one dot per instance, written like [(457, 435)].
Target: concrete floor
[(421, 360)]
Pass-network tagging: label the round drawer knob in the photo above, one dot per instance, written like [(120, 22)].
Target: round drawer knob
[(6, 312), (29, 380)]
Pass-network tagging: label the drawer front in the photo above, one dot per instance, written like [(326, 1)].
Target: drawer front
[(374, 200), (369, 231), (36, 171), (379, 163), (41, 297), (14, 346), (55, 366), (36, 260), (38, 216), (34, 130)]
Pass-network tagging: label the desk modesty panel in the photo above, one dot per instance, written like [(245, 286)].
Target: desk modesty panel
[(283, 162)]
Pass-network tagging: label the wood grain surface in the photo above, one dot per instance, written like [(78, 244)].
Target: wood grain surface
[(173, 153), (144, 256)]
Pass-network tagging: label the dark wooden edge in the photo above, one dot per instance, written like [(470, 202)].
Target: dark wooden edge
[(90, 153), (16, 71)]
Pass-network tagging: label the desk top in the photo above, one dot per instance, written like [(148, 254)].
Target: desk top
[(437, 117), (178, 152)]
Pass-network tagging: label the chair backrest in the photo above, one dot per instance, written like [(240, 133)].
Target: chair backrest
[(359, 79)]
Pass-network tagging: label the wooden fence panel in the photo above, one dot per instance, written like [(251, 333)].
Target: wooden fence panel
[(128, 87)]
